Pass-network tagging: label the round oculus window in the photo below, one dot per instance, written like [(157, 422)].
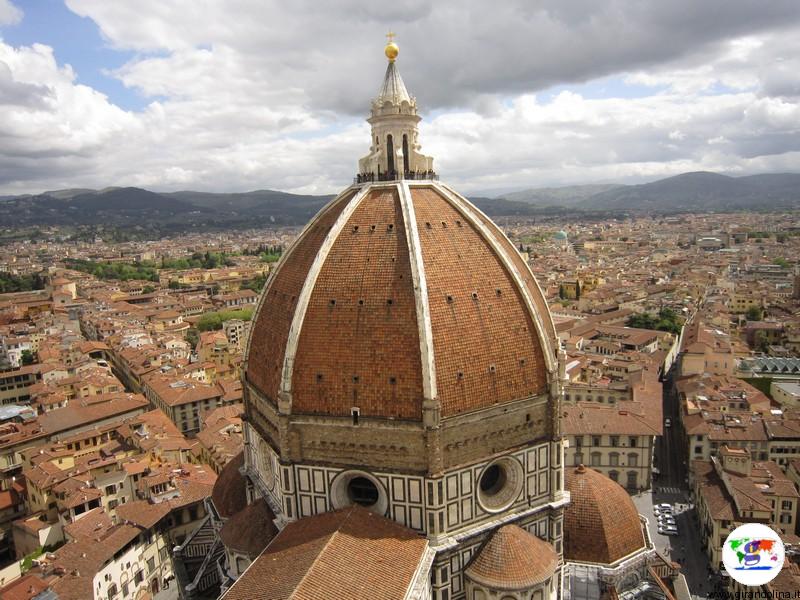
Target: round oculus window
[(359, 487), (362, 491), (500, 484)]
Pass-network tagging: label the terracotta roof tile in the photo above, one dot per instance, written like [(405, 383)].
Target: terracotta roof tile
[(513, 559), (601, 523), (230, 491), (250, 530), (349, 554)]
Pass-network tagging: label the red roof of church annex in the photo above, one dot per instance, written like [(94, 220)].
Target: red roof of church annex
[(348, 554)]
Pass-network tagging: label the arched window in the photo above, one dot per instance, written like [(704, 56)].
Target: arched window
[(389, 156), (633, 460), (613, 459), (613, 475), (595, 459), (405, 153)]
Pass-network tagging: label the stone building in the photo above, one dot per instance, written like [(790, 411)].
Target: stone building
[(732, 489)]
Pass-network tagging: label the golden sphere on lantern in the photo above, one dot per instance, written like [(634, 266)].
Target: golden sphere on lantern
[(391, 51)]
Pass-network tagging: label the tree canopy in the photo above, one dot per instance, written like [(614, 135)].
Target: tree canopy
[(666, 320)]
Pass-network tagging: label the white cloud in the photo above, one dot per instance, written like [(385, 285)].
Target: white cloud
[(9, 14), (248, 94)]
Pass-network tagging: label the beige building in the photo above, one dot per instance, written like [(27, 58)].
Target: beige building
[(786, 393), (183, 400), (617, 441), (706, 350), (731, 489)]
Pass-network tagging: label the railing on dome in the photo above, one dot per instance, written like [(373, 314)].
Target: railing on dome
[(394, 176)]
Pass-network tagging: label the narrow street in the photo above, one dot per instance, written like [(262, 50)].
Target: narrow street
[(671, 487)]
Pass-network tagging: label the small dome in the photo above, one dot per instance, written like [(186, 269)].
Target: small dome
[(229, 494), (561, 235), (513, 559), (601, 523), (249, 530)]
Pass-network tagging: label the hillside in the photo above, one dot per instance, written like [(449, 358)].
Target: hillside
[(559, 196), (130, 207), (702, 191)]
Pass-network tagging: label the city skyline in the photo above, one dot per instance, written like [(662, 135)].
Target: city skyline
[(233, 99)]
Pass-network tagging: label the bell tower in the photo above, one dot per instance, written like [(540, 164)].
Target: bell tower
[(395, 150)]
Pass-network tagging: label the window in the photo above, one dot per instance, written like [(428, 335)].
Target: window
[(698, 449), (786, 505), (595, 459), (125, 590), (613, 475), (362, 491), (138, 577), (632, 441), (112, 591), (595, 440), (151, 564), (633, 460), (613, 459), (615, 440)]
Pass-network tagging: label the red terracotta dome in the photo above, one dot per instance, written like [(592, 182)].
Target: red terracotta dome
[(250, 530), (513, 559), (229, 494), (601, 523), (396, 292)]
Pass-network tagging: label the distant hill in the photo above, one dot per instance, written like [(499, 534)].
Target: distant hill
[(702, 191), (131, 207), (559, 196)]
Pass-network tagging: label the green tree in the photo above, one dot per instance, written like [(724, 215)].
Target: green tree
[(28, 357), (213, 321), (256, 284), (192, 337), (754, 313), (148, 289), (781, 262)]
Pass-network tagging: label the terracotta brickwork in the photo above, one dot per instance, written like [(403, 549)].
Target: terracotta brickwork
[(534, 292), (601, 523), (271, 324), (513, 559), (486, 347), (359, 345)]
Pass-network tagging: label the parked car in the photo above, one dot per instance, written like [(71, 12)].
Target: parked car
[(664, 506), (667, 423), (667, 522), (668, 530)]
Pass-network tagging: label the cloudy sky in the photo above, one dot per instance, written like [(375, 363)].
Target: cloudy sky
[(237, 95)]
